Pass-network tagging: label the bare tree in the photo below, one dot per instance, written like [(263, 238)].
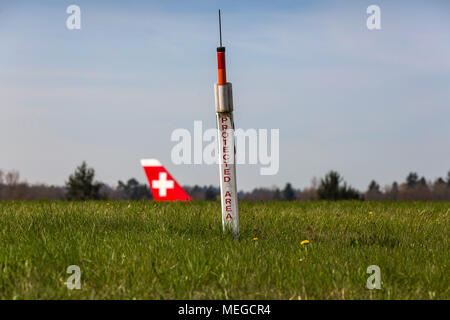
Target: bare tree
[(309, 194), (440, 190), (14, 190), (12, 178)]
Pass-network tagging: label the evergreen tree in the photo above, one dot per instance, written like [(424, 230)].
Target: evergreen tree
[(412, 179), (374, 186), (348, 193), (210, 194), (288, 192), (423, 182), (81, 185), (133, 190), (330, 188)]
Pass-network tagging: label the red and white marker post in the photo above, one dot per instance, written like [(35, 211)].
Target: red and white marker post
[(225, 128)]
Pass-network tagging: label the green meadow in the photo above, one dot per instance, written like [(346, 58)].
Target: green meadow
[(154, 250)]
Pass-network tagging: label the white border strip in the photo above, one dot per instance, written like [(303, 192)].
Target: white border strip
[(150, 163)]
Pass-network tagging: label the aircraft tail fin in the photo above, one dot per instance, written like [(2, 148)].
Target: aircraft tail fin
[(164, 187)]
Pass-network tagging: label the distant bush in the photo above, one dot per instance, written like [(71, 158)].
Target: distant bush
[(81, 184), (133, 190), (332, 187)]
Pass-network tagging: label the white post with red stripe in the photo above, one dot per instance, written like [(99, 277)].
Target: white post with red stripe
[(225, 135)]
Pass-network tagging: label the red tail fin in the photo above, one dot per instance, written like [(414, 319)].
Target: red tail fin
[(163, 186)]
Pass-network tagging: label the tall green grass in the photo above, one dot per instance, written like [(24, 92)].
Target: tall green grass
[(150, 250)]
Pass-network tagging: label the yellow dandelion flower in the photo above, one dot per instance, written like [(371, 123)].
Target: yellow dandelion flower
[(370, 212), (304, 242), (107, 204), (255, 238)]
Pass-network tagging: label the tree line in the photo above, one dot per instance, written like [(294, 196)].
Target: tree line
[(82, 185), (333, 187)]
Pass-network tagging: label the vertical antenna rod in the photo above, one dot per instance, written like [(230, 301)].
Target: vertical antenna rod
[(220, 29)]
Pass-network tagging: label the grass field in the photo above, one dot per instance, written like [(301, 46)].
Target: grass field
[(149, 250)]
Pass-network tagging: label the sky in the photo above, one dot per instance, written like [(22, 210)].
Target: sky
[(371, 104)]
